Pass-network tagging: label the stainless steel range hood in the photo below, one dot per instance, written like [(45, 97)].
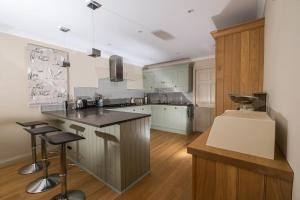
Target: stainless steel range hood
[(116, 68)]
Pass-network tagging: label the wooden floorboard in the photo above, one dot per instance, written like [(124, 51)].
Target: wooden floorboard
[(170, 177)]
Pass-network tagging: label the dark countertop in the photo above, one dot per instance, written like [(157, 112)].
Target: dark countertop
[(99, 117), (155, 104)]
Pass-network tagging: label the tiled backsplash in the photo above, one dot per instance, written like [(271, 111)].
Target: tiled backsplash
[(170, 97), (114, 92), (110, 90)]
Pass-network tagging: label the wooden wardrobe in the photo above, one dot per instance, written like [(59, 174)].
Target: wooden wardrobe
[(239, 62)]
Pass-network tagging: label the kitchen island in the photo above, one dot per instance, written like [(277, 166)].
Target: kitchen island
[(117, 145)]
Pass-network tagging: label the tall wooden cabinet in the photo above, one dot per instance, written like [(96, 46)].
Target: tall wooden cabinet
[(239, 62)]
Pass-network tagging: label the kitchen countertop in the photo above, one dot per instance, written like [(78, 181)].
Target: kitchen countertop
[(155, 104), (98, 117)]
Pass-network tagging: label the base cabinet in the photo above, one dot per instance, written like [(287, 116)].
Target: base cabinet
[(164, 117), (214, 180), (171, 119)]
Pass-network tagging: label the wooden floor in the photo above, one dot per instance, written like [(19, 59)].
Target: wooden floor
[(170, 178)]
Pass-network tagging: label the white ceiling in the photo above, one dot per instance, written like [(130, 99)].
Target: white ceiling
[(118, 22)]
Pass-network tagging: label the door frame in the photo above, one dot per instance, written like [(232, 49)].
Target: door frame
[(203, 64)]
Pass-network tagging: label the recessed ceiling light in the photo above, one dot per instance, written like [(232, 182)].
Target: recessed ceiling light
[(64, 29), (191, 11)]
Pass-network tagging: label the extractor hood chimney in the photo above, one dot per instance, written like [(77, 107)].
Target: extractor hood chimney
[(116, 68)]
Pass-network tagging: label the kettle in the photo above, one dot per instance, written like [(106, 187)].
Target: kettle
[(79, 104)]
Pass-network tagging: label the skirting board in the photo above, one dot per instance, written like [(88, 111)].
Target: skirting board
[(15, 159), (181, 132)]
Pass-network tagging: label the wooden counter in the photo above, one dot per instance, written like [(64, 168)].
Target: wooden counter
[(228, 175)]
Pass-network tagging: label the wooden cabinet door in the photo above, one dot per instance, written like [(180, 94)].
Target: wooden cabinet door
[(239, 62)]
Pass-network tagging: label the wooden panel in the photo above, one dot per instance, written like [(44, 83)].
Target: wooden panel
[(236, 64), (245, 89), (213, 180), (254, 60), (251, 185), (220, 43), (239, 28), (229, 53), (239, 63), (277, 189), (261, 58), (205, 183), (226, 182)]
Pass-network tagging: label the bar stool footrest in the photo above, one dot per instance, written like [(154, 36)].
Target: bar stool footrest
[(71, 195)]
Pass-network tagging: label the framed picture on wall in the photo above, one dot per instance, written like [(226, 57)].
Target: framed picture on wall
[(47, 79)]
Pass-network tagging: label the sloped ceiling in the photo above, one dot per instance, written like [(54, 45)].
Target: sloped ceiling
[(125, 27)]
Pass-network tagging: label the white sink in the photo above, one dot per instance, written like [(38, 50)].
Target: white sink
[(246, 132)]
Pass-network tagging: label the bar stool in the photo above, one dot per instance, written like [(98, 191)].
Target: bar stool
[(78, 131), (35, 166), (47, 181), (62, 139)]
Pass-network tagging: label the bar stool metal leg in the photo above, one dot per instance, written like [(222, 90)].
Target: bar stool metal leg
[(47, 181), (36, 165), (66, 194)]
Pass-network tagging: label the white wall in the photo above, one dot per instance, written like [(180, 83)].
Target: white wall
[(282, 77), (84, 72)]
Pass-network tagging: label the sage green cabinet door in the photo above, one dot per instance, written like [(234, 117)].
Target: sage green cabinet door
[(182, 80), (149, 81), (157, 115), (178, 77)]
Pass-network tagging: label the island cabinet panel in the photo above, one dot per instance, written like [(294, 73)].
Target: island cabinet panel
[(219, 174), (239, 62), (118, 155), (135, 150)]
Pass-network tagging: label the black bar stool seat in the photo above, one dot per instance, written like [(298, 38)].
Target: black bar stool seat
[(61, 139), (47, 181), (42, 130), (32, 124), (35, 166)]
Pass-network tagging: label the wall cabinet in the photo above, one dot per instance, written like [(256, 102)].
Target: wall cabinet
[(239, 62), (178, 77)]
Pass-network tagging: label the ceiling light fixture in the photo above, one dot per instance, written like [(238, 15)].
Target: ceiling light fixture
[(65, 63), (93, 5), (64, 29)]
